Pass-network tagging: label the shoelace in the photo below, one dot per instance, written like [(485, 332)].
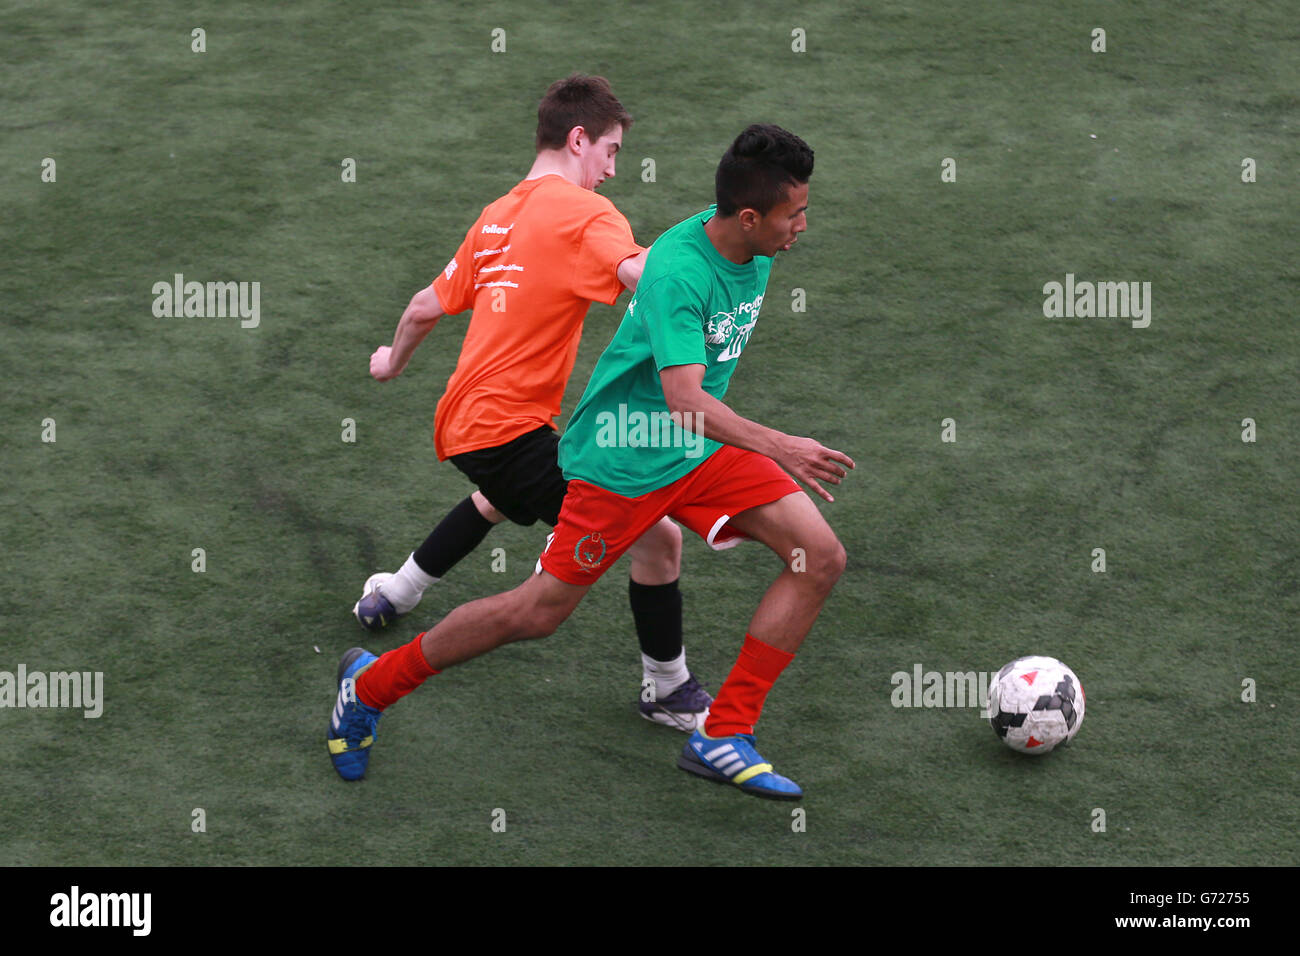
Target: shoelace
[(694, 692), (358, 721)]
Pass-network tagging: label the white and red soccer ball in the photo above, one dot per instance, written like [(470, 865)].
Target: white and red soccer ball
[(1035, 704)]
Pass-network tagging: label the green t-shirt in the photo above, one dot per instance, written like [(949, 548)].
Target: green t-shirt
[(691, 307)]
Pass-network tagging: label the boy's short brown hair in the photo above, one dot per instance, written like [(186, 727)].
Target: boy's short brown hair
[(578, 100)]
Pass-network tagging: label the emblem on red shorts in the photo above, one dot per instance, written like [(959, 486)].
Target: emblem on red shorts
[(590, 551)]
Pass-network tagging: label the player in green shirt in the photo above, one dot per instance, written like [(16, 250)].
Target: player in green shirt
[(652, 437), (696, 307)]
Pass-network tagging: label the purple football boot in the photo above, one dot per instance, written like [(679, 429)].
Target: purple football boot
[(684, 709)]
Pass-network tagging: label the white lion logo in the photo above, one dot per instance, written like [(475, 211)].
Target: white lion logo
[(720, 327)]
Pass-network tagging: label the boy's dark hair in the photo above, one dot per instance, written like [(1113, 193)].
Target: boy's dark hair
[(757, 167), (578, 100)]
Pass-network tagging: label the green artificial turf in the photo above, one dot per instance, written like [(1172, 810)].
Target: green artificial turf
[(924, 302)]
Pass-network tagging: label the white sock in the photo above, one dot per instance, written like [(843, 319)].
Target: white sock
[(667, 675), (405, 588)]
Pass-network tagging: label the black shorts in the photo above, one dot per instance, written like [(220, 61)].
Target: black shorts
[(521, 478)]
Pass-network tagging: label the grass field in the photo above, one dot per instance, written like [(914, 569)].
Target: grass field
[(924, 303)]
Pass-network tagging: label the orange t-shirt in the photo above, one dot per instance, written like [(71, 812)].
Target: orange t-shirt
[(530, 267)]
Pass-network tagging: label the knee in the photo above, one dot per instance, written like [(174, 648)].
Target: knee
[(534, 623), (485, 508), (660, 547), (667, 541), (826, 563), (839, 561), (539, 606), (533, 620)]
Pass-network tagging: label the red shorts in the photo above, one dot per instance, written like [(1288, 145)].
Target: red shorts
[(596, 526)]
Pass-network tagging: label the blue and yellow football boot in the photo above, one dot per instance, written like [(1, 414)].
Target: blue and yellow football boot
[(734, 760), (352, 725)]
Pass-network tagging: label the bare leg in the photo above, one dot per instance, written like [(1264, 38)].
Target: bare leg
[(657, 554), (532, 610), (485, 508), (814, 560)]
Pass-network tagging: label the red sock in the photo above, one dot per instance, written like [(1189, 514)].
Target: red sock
[(736, 708), (394, 675)]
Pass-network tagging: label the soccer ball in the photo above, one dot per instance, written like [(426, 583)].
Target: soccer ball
[(1035, 704)]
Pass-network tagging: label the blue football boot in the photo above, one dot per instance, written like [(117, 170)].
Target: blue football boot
[(352, 725), (734, 760)]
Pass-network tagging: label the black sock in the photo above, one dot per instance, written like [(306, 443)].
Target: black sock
[(657, 610), (456, 536)]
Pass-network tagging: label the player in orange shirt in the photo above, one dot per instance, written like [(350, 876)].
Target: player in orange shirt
[(530, 267)]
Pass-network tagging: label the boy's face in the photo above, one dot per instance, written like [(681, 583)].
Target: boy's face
[(597, 157), (779, 229)]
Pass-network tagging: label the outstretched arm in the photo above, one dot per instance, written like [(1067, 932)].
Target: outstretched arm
[(630, 269), (421, 315), (806, 459)]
